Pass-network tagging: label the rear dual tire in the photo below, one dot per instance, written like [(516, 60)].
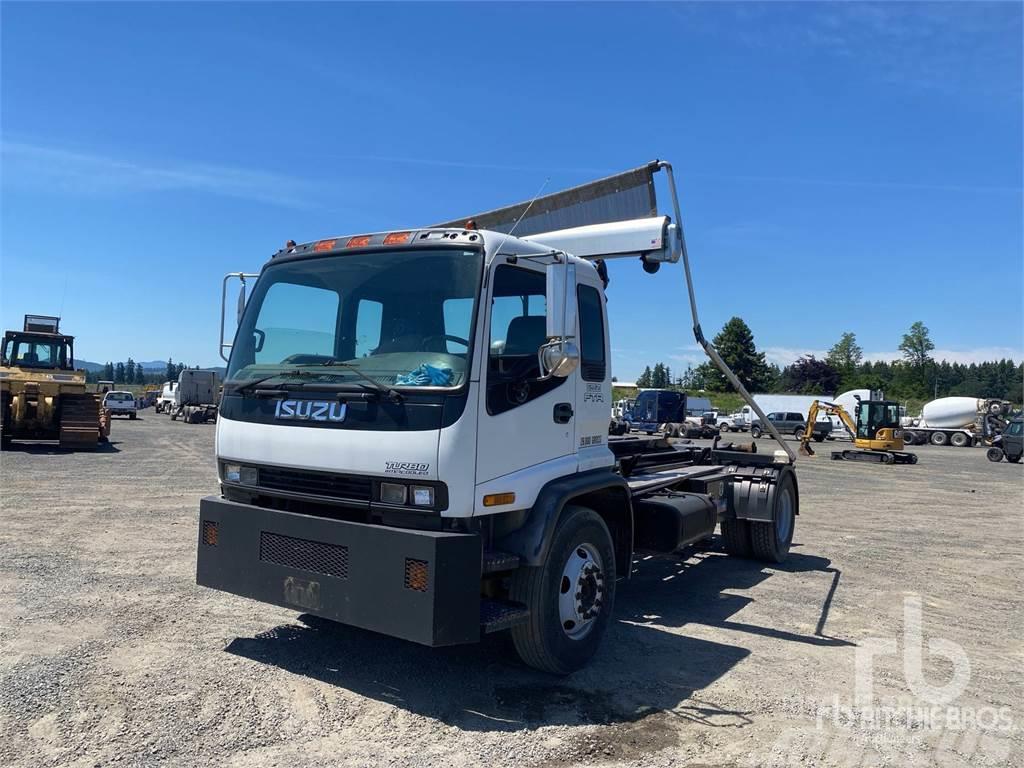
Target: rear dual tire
[(766, 541)]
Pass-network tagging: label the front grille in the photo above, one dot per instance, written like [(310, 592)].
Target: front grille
[(306, 555), (319, 483)]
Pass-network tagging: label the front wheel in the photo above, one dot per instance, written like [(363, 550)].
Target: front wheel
[(570, 597), (994, 454)]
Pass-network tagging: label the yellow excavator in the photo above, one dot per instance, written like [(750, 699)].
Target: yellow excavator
[(877, 436)]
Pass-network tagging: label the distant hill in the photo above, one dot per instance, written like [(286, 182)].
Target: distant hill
[(149, 366)]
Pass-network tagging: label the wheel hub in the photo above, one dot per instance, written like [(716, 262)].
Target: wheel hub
[(581, 591)]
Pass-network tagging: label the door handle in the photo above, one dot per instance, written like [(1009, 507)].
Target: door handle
[(562, 413)]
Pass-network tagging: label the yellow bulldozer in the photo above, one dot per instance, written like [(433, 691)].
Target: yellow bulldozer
[(42, 396), (876, 433)]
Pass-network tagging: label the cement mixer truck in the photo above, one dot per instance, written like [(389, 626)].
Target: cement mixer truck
[(957, 421)]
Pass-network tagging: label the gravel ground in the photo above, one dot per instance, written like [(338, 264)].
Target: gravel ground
[(111, 655)]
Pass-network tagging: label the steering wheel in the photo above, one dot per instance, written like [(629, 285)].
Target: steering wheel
[(447, 337)]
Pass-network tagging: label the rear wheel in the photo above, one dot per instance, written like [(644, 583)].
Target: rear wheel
[(798, 433), (909, 438), (958, 439), (755, 432), (736, 537), (570, 597), (771, 541), (1014, 459), (939, 438)]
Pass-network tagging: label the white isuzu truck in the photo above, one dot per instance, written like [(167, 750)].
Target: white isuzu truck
[(412, 436)]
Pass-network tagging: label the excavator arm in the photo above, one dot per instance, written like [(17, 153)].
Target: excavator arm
[(830, 409)]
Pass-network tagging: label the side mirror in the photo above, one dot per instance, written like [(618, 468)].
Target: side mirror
[(560, 297), (559, 356), (558, 359), (241, 300)]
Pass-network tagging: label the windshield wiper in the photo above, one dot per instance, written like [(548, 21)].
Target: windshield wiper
[(255, 382), (393, 394)]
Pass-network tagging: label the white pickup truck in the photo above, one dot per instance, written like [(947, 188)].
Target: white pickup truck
[(120, 404)]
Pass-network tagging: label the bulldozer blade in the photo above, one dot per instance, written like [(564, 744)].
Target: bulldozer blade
[(79, 421)]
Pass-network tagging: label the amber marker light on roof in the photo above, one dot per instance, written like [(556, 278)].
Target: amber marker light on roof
[(397, 238), (324, 245), (358, 241)]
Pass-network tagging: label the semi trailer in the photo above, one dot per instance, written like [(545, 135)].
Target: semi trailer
[(413, 431), (195, 396)]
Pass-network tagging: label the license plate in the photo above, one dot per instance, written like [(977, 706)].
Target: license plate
[(304, 594)]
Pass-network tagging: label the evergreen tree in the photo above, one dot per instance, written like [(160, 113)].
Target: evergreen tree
[(129, 371), (108, 372), (644, 381), (119, 373), (170, 373), (845, 356), (735, 343)]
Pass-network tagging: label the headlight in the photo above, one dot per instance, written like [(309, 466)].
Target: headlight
[(241, 475), (392, 493), (422, 496)]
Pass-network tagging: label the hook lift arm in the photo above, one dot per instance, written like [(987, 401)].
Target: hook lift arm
[(698, 333)]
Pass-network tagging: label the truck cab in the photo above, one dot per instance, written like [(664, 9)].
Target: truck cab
[(412, 439)]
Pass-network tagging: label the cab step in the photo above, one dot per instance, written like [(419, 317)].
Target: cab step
[(495, 561), (496, 615)]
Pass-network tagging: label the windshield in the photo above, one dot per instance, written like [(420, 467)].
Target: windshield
[(36, 353), (403, 319)]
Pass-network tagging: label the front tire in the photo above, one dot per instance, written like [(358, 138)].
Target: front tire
[(570, 597), (994, 454)]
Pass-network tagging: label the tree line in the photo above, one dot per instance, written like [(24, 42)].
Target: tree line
[(916, 376), (130, 372)]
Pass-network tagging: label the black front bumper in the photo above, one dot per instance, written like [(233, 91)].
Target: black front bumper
[(418, 585)]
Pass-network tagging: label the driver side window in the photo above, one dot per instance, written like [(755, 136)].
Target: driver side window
[(518, 329)]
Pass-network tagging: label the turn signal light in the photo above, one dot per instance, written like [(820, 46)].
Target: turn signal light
[(324, 245), (397, 238), (210, 533), (358, 241), (498, 499)]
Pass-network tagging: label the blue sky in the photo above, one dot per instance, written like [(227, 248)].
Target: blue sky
[(148, 149)]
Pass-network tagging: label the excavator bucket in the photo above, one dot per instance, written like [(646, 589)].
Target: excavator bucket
[(805, 449)]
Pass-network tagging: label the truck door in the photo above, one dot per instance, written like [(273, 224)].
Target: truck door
[(593, 386), (524, 423)]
